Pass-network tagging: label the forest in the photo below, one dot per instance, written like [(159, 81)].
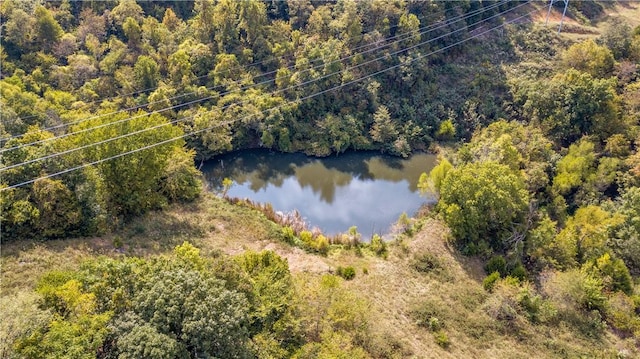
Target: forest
[(114, 248)]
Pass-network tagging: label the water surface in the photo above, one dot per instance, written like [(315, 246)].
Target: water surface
[(363, 189)]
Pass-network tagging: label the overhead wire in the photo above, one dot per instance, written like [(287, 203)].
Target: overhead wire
[(271, 109), (3, 169), (421, 31)]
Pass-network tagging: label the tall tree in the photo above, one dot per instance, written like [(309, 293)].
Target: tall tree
[(47, 29), (483, 204)]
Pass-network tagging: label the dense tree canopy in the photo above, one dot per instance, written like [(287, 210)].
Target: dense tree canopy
[(482, 204), (105, 105), (190, 306)]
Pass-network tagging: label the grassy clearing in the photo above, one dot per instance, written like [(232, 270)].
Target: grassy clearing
[(577, 29), (425, 300)]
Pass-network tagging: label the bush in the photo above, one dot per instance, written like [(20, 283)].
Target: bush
[(536, 309), (490, 281), (446, 131), (615, 275), (321, 244), (289, 235), (435, 324), (347, 273), (426, 263), (431, 313), (117, 242), (519, 272), (496, 264), (307, 238), (442, 339), (378, 246), (621, 314), (578, 297)]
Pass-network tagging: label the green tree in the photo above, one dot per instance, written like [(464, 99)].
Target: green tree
[(137, 339), (588, 57), (225, 22), (181, 180), (522, 148), (252, 17), (47, 29), (19, 29), (409, 24), (272, 296), (574, 169), (340, 132), (482, 203), (203, 22), (146, 73), (540, 244), (433, 182), (133, 183), (384, 130), (446, 130), (626, 241), (617, 37), (126, 9), (76, 330), (584, 237), (133, 32), (614, 273), (180, 68), (573, 104), (58, 207), (210, 321)]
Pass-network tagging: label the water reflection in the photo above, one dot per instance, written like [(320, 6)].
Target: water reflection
[(362, 189)]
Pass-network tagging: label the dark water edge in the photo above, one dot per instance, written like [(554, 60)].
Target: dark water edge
[(363, 189)]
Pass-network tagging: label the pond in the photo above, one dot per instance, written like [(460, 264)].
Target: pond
[(363, 189)]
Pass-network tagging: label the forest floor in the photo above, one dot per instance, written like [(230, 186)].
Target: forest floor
[(397, 293)]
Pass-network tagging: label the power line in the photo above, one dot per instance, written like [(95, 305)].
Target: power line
[(197, 78), (421, 31), (224, 107), (272, 109)]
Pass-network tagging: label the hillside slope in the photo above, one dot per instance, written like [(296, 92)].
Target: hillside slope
[(422, 278)]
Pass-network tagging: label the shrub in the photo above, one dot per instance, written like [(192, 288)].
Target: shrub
[(446, 131), (615, 275), (621, 314), (347, 273), (519, 272), (426, 263), (442, 339), (496, 264), (288, 234), (504, 306), (536, 309), (354, 236), (490, 281), (435, 324), (579, 299), (117, 242), (430, 312), (321, 244), (307, 238), (378, 246)]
